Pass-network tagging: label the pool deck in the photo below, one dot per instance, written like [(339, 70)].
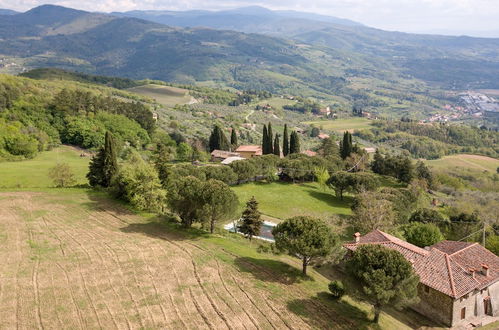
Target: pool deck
[(230, 227)]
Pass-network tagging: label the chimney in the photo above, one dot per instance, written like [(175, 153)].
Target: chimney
[(357, 237), (485, 270), (472, 272)]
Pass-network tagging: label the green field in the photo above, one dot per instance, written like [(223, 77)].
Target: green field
[(33, 173), (341, 125), (284, 200), (275, 102), (464, 161), (165, 95)]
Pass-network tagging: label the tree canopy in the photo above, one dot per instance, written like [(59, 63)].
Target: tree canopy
[(304, 237), (387, 278)]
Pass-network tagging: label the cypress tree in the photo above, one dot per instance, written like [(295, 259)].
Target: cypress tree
[(251, 221), (110, 160), (270, 136), (277, 149), (285, 141), (346, 145), (264, 140), (233, 137), (214, 142), (95, 173), (294, 145)]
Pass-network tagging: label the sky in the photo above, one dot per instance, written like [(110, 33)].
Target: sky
[(458, 17)]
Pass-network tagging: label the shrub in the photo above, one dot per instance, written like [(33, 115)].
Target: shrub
[(337, 289)]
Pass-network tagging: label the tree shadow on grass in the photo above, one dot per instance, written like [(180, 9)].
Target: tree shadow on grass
[(164, 230), (269, 270), (330, 199), (323, 311)]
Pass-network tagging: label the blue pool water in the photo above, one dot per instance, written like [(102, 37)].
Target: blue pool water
[(265, 231)]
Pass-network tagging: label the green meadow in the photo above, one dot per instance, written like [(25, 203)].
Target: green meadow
[(165, 95), (33, 173), (341, 125)]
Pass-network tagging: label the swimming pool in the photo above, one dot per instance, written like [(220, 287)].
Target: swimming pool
[(265, 231)]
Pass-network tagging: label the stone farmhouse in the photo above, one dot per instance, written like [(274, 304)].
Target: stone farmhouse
[(459, 281)]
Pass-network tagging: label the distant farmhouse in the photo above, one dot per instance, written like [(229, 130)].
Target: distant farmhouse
[(459, 281), (249, 151)]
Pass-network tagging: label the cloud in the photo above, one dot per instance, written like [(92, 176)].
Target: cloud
[(404, 15)]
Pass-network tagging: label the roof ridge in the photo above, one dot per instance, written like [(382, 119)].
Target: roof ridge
[(459, 251), (406, 244), (451, 278)]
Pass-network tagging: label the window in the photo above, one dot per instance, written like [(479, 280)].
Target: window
[(463, 313), (426, 289)]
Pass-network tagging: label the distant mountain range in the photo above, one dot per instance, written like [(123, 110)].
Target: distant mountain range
[(295, 52), (248, 19), (8, 12)]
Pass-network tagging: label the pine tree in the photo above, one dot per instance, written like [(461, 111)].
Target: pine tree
[(277, 149), (264, 140), (233, 138), (110, 160), (251, 222), (285, 141), (270, 136), (346, 147), (294, 144)]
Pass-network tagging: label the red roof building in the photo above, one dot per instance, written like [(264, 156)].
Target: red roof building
[(459, 281)]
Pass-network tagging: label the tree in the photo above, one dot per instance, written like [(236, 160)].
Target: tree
[(218, 140), (184, 198), (277, 148), (427, 216), (492, 243), (304, 237), (322, 177), (378, 163), (285, 141), (184, 152), (422, 234), (346, 147), (233, 138), (137, 182), (104, 165), (405, 172), (328, 148), (370, 213), (270, 136), (337, 289), (244, 169), (265, 142), (251, 222), (294, 144), (344, 181), (423, 172), (315, 132), (62, 176), (110, 161), (386, 277), (219, 202)]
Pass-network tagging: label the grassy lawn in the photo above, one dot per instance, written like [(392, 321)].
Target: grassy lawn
[(276, 102), (165, 95), (33, 173), (284, 200), (341, 125), (464, 161)]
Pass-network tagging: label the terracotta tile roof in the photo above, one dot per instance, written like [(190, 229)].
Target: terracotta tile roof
[(249, 148), (445, 266), (450, 247)]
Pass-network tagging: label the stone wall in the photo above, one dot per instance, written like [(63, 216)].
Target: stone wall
[(434, 305)]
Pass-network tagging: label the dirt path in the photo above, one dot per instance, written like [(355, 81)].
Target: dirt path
[(72, 262)]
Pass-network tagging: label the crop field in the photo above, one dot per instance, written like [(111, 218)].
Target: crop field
[(74, 259), (284, 200), (341, 125), (33, 173), (165, 95), (465, 161)]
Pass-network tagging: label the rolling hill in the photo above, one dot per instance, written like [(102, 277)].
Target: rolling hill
[(448, 61)]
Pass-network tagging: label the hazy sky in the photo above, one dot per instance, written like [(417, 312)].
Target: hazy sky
[(473, 17)]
